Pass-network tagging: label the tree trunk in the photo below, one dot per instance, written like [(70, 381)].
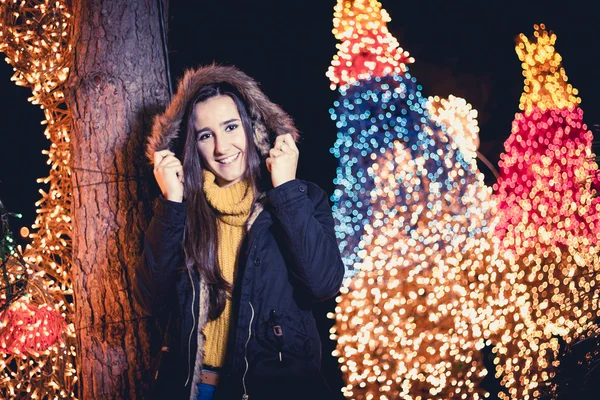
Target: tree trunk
[(118, 81)]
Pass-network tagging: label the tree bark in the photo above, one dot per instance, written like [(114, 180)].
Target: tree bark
[(117, 82)]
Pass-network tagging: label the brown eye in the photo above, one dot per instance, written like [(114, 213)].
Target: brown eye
[(231, 127), (204, 137)]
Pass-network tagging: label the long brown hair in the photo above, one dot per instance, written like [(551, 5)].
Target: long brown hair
[(200, 241)]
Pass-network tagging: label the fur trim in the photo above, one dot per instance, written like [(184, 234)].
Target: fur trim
[(269, 120), (203, 298), (256, 210), (204, 303)]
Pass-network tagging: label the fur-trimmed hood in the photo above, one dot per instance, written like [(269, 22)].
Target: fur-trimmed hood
[(269, 120)]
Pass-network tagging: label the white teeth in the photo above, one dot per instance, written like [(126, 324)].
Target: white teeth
[(228, 160)]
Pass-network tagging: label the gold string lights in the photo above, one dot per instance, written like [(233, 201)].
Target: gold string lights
[(549, 227), (546, 84), (40, 362), (367, 48), (412, 321)]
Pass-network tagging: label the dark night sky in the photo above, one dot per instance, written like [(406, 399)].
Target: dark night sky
[(465, 48), (461, 47)]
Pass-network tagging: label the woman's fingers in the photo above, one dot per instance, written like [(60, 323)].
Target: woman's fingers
[(166, 160), (269, 161), (275, 153), (159, 156), (178, 169), (168, 172), (285, 143), (283, 160), (287, 149), (169, 163)]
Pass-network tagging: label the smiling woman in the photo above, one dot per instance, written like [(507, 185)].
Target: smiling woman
[(238, 250), (221, 138)]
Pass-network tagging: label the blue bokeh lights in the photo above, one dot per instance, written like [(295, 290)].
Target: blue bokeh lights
[(371, 115)]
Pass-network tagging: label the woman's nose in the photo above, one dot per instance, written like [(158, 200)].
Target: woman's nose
[(221, 145)]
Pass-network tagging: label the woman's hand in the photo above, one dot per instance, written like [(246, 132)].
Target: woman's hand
[(283, 160), (168, 172)]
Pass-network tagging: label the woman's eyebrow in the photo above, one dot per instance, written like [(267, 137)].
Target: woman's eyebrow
[(222, 123), (199, 131), (229, 121)]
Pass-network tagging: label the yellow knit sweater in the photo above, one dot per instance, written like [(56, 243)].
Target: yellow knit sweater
[(234, 204)]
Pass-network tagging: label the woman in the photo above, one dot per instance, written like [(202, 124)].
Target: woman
[(238, 249)]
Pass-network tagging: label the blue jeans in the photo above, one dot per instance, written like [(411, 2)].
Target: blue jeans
[(205, 392)]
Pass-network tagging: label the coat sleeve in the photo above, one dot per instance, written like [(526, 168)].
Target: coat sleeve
[(162, 256), (305, 215)]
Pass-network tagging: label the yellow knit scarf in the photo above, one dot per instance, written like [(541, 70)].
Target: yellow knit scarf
[(234, 204)]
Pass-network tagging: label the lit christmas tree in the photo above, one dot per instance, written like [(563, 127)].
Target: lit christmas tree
[(37, 331), (369, 68), (549, 224), (414, 227)]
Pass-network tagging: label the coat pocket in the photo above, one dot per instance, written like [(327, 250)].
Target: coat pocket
[(284, 364), (282, 337)]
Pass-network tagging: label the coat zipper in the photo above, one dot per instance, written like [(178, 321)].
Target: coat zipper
[(193, 326), (245, 396), (250, 244)]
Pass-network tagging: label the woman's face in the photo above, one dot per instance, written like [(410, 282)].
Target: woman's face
[(221, 139)]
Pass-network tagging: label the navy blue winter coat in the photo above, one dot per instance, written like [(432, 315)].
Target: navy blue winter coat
[(289, 260)]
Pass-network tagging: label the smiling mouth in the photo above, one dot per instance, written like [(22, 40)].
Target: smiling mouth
[(229, 160)]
